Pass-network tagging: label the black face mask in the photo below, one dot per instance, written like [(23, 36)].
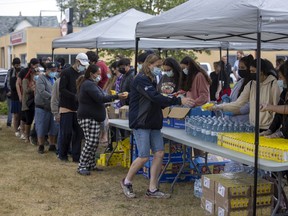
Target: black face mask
[(253, 76), (122, 70), (17, 69), (243, 73)]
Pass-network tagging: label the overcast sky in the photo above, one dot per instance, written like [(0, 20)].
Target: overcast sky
[(28, 8)]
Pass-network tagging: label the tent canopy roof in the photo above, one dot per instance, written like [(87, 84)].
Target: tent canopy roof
[(224, 20)]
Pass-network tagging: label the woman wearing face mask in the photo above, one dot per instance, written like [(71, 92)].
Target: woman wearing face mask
[(279, 126), (195, 81), (145, 118), (170, 80), (44, 119), (269, 93), (244, 75), (28, 105), (91, 112)]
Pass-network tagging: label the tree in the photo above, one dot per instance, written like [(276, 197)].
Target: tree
[(89, 12)]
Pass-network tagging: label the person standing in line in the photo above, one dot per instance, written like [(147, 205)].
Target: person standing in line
[(91, 112), (145, 118), (32, 66), (44, 120), (240, 54), (15, 103), (215, 86), (68, 103), (128, 74), (94, 59)]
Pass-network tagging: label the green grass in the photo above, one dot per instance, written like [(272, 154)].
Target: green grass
[(3, 108)]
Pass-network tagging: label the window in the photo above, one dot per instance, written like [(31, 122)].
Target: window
[(23, 60)]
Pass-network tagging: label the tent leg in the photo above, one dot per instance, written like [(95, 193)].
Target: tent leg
[(136, 53), (52, 54), (257, 120)]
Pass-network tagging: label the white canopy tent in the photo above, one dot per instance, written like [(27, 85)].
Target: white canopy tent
[(222, 20), (118, 32), (229, 21)]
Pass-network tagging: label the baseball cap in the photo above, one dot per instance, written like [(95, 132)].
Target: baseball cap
[(83, 58), (51, 65), (34, 61)]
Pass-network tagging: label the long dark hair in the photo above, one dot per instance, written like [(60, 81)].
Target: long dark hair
[(91, 69), (193, 70), (267, 67), (247, 60), (171, 62)]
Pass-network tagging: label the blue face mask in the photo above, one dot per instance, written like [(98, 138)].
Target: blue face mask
[(97, 79), (53, 74), (139, 67), (35, 78), (81, 68), (156, 71), (109, 76)]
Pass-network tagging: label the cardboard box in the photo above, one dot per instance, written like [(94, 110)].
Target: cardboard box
[(124, 112), (112, 112), (179, 114), (208, 205), (220, 211), (167, 122)]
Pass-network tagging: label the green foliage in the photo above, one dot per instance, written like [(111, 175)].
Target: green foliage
[(87, 12), (3, 108)]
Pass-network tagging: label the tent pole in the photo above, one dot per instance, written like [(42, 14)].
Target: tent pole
[(227, 55), (220, 51), (136, 53), (52, 54), (257, 120)]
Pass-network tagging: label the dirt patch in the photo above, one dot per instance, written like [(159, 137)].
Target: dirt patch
[(33, 184)]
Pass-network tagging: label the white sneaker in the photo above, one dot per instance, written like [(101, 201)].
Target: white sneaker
[(23, 137), (17, 134)]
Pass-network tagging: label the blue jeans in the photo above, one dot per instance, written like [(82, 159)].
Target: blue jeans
[(45, 124), (147, 139)]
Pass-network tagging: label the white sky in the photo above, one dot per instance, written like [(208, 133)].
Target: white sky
[(29, 8)]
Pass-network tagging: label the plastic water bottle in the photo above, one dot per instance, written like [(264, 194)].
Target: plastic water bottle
[(197, 188), (203, 129), (214, 132), (187, 125), (236, 127)]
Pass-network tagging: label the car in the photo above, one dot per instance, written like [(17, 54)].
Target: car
[(3, 77), (206, 66)]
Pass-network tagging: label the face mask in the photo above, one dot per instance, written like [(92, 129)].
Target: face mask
[(81, 68), (109, 76), (253, 76), (122, 70), (169, 73), (185, 71), (156, 71), (17, 69), (280, 84), (243, 73), (98, 78), (35, 78), (139, 67), (52, 74)]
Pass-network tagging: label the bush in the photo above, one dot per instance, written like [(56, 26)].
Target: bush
[(3, 108)]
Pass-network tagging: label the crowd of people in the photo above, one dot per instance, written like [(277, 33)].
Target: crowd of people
[(66, 104)]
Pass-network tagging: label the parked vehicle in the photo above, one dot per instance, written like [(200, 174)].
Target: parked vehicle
[(3, 77)]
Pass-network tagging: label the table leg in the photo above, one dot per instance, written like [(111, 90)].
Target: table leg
[(279, 189), (114, 149), (181, 168), (166, 165)]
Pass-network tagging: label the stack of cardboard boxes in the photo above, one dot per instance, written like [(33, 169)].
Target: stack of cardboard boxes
[(230, 194), (121, 113)]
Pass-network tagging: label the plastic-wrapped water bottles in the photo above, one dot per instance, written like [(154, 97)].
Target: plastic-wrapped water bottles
[(198, 188), (233, 167)]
